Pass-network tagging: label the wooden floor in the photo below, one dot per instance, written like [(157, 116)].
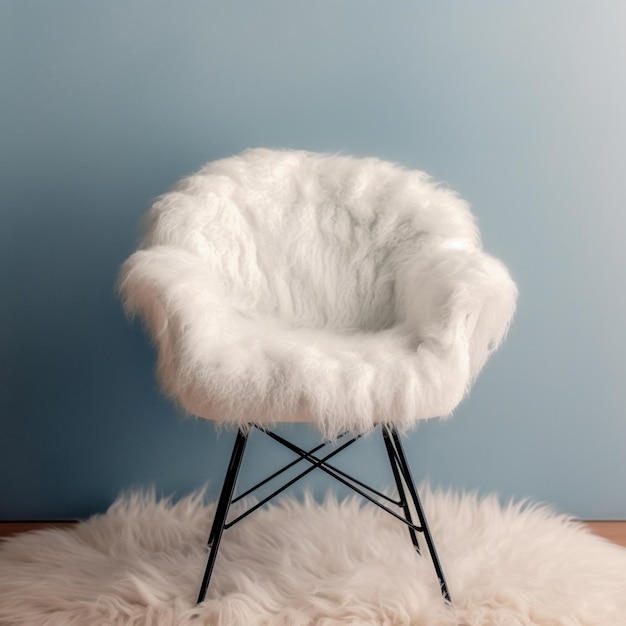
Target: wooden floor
[(13, 528), (613, 531)]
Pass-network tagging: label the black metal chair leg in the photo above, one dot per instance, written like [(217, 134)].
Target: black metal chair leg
[(402, 476), (393, 461), (408, 479), (223, 505)]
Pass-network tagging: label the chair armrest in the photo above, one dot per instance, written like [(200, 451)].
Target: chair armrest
[(455, 297)]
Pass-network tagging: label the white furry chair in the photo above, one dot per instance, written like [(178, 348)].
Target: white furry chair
[(293, 286)]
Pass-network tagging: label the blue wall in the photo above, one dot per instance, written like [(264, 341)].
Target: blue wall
[(103, 105)]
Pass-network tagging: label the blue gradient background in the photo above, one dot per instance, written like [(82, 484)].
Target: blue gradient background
[(518, 105)]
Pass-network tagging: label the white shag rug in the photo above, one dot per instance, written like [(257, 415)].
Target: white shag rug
[(304, 563)]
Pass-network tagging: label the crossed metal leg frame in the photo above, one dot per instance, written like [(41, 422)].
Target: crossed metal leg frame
[(399, 467)]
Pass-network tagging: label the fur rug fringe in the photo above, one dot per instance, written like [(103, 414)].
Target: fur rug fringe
[(303, 563)]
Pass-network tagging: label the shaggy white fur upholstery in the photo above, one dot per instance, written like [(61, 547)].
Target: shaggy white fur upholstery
[(293, 286), (311, 564)]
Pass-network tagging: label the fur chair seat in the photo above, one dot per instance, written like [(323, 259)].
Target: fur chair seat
[(294, 286)]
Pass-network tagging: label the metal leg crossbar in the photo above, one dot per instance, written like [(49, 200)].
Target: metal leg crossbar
[(399, 467)]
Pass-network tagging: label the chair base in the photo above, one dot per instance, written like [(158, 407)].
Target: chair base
[(399, 467)]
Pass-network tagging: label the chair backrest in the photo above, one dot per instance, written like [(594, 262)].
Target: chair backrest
[(316, 240)]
